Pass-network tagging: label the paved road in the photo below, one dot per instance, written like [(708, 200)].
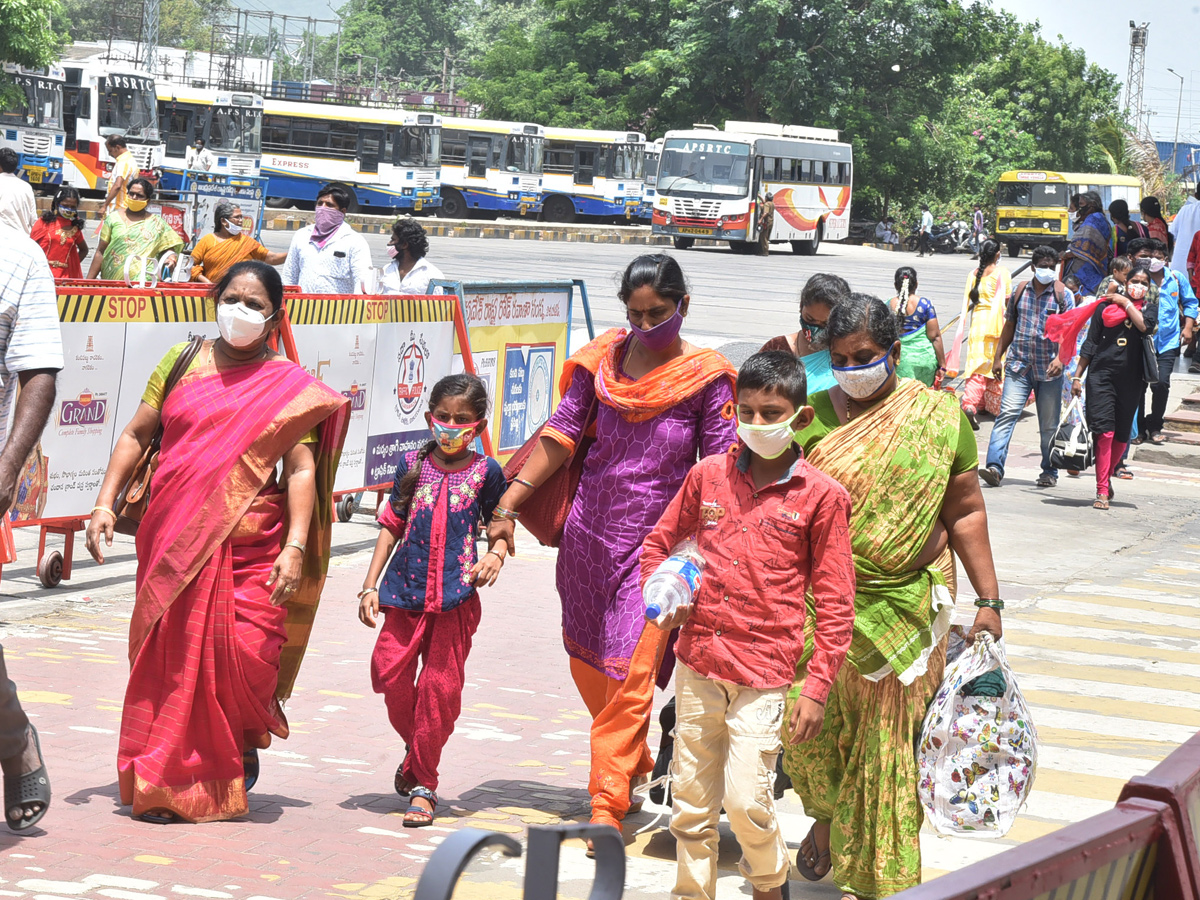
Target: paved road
[(1102, 630), (734, 298)]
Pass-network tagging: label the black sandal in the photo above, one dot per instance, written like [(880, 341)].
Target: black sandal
[(158, 817), (402, 784), (22, 791), (420, 817), (250, 767), (810, 872)]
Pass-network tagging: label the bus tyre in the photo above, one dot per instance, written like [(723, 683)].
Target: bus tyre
[(453, 205), (809, 247), (1014, 249), (558, 208), (683, 243), (279, 203)]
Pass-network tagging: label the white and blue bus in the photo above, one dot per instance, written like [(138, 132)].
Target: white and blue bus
[(650, 180), (229, 123), (388, 158), (592, 173), (491, 168), (31, 121)]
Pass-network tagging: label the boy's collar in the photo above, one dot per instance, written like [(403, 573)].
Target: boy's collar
[(743, 464)]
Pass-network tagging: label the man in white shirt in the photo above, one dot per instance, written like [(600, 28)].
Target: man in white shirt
[(30, 353), (926, 232), (199, 158), (329, 257), (18, 208), (1184, 228)]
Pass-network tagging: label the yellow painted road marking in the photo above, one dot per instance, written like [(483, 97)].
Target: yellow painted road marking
[(1126, 709)]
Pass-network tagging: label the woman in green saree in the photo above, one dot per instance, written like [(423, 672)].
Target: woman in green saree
[(907, 456)]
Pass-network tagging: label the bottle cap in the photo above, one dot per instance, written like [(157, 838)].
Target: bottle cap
[(653, 611)]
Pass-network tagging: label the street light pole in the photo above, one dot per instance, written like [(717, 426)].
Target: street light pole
[(1178, 111)]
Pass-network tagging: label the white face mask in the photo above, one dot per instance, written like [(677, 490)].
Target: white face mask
[(768, 441), (240, 326), (1045, 276), (861, 382), (233, 228)]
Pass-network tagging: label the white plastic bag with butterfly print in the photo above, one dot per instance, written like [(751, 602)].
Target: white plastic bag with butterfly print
[(977, 755)]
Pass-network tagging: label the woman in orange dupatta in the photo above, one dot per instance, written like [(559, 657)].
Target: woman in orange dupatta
[(655, 405), (231, 562)]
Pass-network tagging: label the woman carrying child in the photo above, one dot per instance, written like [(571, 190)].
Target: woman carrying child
[(440, 495)]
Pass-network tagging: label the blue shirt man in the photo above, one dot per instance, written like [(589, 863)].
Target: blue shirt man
[(1033, 365), (1178, 310)]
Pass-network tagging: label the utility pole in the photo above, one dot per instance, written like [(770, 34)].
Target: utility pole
[(1178, 111), (445, 63)]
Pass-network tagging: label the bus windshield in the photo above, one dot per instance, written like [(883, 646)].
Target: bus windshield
[(704, 168), (128, 106), (419, 145), (35, 103), (629, 161), (651, 168), (524, 154), (235, 130), (1031, 194)]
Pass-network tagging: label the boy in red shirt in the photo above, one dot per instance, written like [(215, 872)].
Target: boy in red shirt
[(769, 527)]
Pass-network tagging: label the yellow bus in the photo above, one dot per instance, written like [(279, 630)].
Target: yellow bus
[(1031, 206)]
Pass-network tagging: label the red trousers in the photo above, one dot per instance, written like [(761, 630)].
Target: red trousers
[(424, 707)]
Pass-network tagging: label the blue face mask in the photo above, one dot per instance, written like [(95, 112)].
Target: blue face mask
[(818, 335), (861, 382)]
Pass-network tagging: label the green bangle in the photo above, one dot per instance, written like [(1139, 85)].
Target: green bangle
[(986, 603)]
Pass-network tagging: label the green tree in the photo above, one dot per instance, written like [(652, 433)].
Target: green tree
[(27, 36), (408, 37)]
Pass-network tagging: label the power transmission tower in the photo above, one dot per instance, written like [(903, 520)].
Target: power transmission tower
[(1136, 80), (149, 36)]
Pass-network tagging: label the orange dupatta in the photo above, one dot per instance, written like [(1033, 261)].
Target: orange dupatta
[(653, 394)]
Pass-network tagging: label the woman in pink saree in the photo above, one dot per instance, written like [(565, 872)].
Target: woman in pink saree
[(231, 558)]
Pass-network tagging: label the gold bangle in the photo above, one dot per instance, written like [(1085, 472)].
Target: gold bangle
[(299, 546), (495, 554), (96, 509)]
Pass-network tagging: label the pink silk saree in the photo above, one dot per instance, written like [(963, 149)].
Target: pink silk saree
[(211, 658)]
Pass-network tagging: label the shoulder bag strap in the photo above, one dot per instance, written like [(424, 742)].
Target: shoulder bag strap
[(182, 362)]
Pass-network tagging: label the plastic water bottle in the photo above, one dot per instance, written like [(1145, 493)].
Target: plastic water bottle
[(675, 582)]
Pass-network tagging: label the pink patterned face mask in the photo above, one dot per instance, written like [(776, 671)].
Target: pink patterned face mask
[(329, 220)]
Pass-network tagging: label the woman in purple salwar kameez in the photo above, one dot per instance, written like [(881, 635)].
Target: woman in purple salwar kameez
[(659, 405)]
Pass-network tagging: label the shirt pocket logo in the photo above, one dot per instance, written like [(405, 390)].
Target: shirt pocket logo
[(711, 514)]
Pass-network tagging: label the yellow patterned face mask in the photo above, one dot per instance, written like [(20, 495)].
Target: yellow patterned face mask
[(453, 439), (135, 204)]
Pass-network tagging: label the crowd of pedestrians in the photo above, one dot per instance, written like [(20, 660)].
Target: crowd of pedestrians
[(831, 464)]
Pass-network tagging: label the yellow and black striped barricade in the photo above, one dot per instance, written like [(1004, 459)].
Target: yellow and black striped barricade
[(1131, 852), (1176, 782)]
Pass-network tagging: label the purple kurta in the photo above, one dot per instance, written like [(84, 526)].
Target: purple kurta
[(631, 473)]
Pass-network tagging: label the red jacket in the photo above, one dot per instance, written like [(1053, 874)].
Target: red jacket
[(763, 549)]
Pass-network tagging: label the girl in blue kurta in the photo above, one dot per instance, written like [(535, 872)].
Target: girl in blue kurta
[(440, 494)]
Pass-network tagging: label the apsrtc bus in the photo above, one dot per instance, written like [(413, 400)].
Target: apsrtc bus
[(491, 168), (592, 173), (388, 158), (100, 99), (711, 183), (650, 179), (229, 123), (31, 121)]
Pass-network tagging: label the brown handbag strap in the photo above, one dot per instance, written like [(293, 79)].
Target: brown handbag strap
[(182, 362)]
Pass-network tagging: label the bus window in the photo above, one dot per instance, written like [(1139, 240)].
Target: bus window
[(235, 129), (454, 148), (770, 170), (275, 134), (1014, 193), (343, 140), (524, 154), (628, 161), (416, 146), (819, 171), (560, 158), (477, 156)]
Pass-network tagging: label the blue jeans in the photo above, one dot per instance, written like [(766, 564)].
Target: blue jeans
[(1048, 396)]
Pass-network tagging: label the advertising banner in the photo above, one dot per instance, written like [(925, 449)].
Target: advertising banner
[(382, 353), (518, 332)]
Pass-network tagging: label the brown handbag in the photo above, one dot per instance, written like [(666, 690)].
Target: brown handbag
[(544, 515), (131, 503)]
